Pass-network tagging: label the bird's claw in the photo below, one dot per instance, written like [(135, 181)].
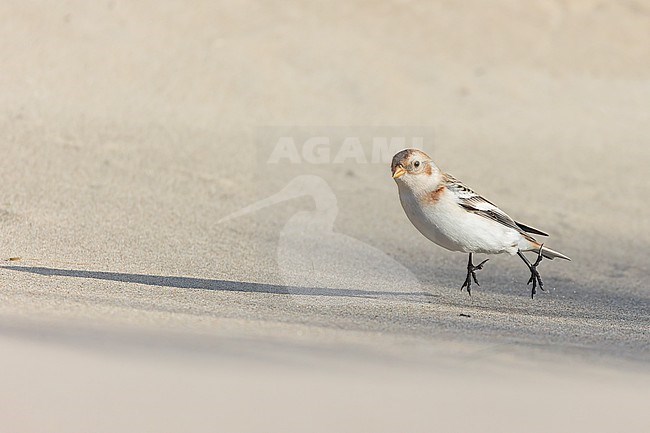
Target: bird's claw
[(480, 265), (471, 275), (468, 284), (535, 278)]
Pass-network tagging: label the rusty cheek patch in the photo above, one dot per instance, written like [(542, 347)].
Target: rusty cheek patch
[(427, 169), (434, 196)]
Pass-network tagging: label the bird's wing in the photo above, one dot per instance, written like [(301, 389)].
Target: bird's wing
[(475, 203), (529, 229)]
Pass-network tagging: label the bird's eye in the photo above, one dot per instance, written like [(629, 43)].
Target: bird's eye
[(416, 164)]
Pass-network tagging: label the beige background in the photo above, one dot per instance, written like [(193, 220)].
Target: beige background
[(128, 129)]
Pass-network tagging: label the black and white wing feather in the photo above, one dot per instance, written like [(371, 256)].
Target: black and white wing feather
[(473, 202)]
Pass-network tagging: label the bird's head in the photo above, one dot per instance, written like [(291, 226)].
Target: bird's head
[(415, 169)]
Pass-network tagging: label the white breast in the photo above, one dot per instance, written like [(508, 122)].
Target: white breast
[(452, 227)]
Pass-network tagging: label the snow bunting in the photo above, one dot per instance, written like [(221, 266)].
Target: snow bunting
[(453, 216)]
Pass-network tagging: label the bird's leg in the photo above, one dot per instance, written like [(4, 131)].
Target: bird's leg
[(471, 274), (535, 278)]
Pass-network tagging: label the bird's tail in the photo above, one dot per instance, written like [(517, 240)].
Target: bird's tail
[(551, 254)]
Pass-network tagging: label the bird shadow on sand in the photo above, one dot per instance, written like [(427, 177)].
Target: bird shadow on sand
[(214, 284)]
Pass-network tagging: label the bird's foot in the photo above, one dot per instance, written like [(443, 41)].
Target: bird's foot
[(535, 278), (471, 275)]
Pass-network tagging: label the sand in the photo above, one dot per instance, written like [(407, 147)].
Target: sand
[(129, 131)]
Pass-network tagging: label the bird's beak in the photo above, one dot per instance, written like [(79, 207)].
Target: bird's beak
[(399, 172)]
